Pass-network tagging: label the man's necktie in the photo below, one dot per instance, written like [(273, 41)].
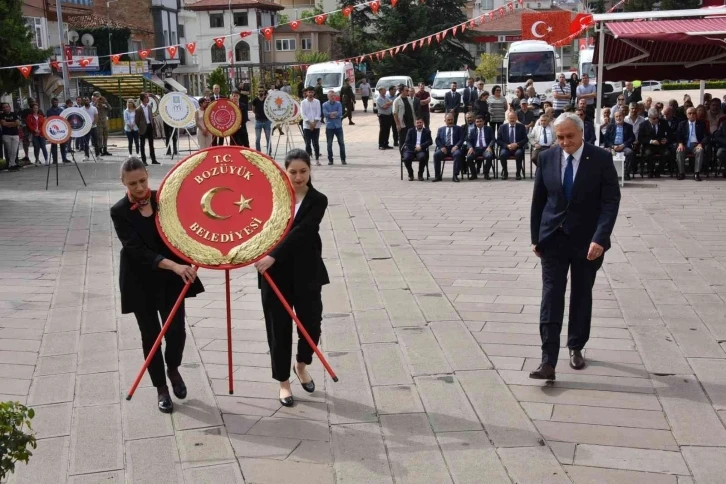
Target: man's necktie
[(511, 134), (448, 137), (481, 137), (569, 178), (545, 135), (690, 134), (655, 127)]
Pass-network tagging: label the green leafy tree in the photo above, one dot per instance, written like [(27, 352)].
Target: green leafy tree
[(282, 19), (311, 57), (679, 4), (412, 20), (17, 46), (218, 76), (648, 5), (14, 442), (489, 66), (336, 20)]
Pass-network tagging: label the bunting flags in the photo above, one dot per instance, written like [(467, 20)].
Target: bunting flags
[(144, 53), (375, 5), (219, 42), (295, 24), (115, 58), (393, 3), (55, 65), (191, 47), (172, 50), (267, 32), (245, 33), (320, 19), (25, 71), (347, 11)]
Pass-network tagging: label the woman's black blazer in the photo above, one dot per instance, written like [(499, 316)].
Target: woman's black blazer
[(140, 277), (299, 256)]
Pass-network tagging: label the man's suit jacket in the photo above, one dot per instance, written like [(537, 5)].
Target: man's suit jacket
[(590, 214), (646, 134), (628, 136), (412, 134), (672, 128), (465, 131), (520, 135), (452, 100), (589, 132), (471, 94), (457, 136), (488, 138), (719, 136), (141, 120), (214, 97), (633, 97), (683, 132)]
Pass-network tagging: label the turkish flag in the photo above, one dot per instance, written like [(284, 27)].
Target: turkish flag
[(144, 53), (320, 19), (25, 71), (295, 24), (581, 21), (245, 33), (191, 47), (550, 26), (115, 58), (393, 3), (347, 11), (219, 41), (69, 54), (375, 5), (267, 32), (56, 65), (85, 62)]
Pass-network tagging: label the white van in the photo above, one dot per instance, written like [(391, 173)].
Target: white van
[(442, 84), (333, 74), (387, 82)]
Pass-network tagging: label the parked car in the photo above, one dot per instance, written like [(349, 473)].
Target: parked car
[(387, 82), (651, 86)]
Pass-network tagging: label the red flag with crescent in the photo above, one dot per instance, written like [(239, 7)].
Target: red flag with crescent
[(267, 32), (295, 24), (320, 19), (510, 6), (375, 6), (84, 62), (549, 26), (393, 3), (501, 11), (397, 50), (520, 2), (347, 11), (191, 47), (491, 15), (172, 50), (115, 58), (25, 71), (144, 53), (219, 41), (438, 36), (429, 39), (55, 65), (580, 22), (245, 33)]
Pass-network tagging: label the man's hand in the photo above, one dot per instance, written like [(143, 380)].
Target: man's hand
[(512, 146), (443, 150), (265, 263), (537, 146), (619, 148), (663, 141), (187, 273), (698, 147), (536, 251), (470, 152), (680, 147), (596, 250), (417, 148)]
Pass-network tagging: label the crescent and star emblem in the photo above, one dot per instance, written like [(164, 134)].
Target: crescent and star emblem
[(534, 29), (206, 203)]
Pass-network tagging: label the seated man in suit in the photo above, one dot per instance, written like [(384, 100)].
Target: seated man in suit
[(416, 146), (691, 136), (448, 143), (653, 136), (574, 208), (588, 127), (512, 139), (481, 144), (542, 137), (719, 141), (619, 138), (468, 128)]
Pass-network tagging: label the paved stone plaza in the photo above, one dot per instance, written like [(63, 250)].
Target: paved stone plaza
[(431, 322)]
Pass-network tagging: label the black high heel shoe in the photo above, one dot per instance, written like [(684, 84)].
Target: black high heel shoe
[(308, 387), (177, 384), (164, 400)]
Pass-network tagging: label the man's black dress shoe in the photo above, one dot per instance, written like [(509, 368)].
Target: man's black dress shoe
[(309, 386), (487, 177), (455, 179), (544, 371), (437, 179), (504, 175), (697, 177), (420, 178), (155, 163), (410, 178), (177, 384), (164, 400), (519, 177), (577, 361)]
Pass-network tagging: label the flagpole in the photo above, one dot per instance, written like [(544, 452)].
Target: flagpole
[(64, 64)]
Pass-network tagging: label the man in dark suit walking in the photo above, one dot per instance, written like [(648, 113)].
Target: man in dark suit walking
[(691, 136), (145, 121), (512, 138), (416, 147), (574, 208), (448, 143), (481, 145), (452, 102)]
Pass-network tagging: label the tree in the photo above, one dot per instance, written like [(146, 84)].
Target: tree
[(14, 442), (17, 46), (489, 66), (311, 57), (218, 76), (679, 4), (336, 20), (413, 20), (282, 19)]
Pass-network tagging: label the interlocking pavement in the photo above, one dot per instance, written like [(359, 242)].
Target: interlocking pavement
[(431, 322)]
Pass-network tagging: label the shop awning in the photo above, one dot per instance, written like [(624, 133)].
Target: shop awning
[(693, 48)]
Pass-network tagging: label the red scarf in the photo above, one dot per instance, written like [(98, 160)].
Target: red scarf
[(141, 202)]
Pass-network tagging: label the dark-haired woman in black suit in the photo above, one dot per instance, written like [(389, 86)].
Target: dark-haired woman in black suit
[(296, 266), (151, 279)]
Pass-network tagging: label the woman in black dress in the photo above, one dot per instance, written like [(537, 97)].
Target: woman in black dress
[(151, 279), (296, 267)]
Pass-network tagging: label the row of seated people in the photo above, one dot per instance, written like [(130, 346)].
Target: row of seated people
[(473, 144)]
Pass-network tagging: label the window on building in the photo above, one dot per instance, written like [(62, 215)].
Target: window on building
[(486, 4), (216, 20), (285, 44), (307, 44), (268, 46), (242, 52), (36, 27), (219, 54), (181, 31), (241, 19)]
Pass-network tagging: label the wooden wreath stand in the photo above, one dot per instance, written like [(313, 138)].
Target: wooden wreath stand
[(226, 268)]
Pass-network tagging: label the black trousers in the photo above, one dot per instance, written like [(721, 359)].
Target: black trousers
[(365, 102), (242, 137), (476, 165), (312, 141), (558, 257), (171, 134), (504, 154), (662, 151), (385, 123), (420, 156), (150, 327), (308, 305), (148, 136)]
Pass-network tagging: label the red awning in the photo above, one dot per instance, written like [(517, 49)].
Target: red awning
[(664, 49)]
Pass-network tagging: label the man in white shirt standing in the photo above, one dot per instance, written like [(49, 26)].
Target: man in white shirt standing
[(92, 136), (365, 94), (311, 114)]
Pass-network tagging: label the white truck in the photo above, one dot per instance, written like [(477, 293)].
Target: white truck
[(531, 59), (332, 75), (442, 84), (387, 82), (586, 66)]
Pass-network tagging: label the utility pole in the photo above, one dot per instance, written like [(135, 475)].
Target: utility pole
[(64, 64)]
